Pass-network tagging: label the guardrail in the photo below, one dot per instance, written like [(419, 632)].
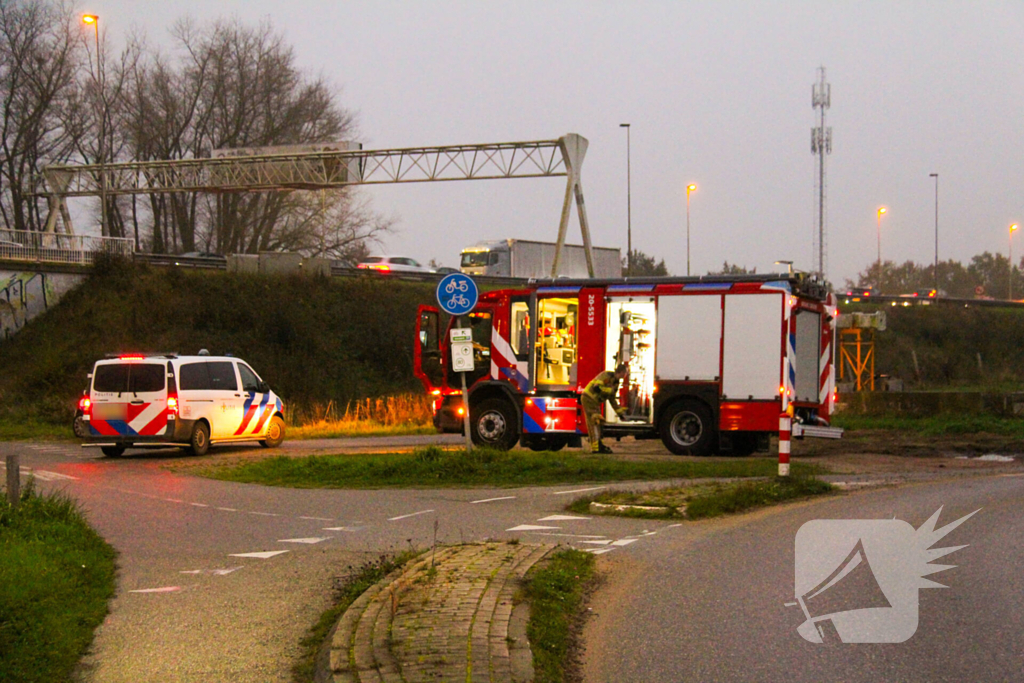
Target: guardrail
[(50, 247)]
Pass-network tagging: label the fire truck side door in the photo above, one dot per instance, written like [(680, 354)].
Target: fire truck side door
[(427, 351)]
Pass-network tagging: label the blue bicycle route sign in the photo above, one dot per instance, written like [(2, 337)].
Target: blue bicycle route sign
[(457, 294)]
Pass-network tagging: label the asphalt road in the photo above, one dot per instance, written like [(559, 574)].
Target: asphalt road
[(707, 602), (218, 581)]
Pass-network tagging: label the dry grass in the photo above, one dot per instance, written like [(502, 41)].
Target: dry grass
[(388, 415)]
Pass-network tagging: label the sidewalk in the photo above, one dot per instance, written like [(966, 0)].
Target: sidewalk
[(447, 616)]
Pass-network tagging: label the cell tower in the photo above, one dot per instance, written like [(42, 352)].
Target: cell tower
[(821, 145)]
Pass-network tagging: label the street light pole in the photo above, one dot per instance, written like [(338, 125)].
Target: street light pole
[(878, 283), (1013, 229), (94, 20), (629, 206), (936, 176), (689, 188)]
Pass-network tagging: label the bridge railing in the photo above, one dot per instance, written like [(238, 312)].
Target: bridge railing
[(49, 247)]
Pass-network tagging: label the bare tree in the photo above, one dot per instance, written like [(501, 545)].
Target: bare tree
[(40, 58)]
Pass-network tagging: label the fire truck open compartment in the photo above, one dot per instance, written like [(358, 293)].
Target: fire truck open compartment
[(630, 339)]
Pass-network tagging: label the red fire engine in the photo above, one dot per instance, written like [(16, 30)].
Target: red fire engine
[(713, 361)]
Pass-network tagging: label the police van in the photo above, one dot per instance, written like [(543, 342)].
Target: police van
[(171, 400)]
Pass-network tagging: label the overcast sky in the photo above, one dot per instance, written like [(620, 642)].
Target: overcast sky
[(718, 94)]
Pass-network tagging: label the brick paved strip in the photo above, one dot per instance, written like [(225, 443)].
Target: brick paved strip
[(444, 617)]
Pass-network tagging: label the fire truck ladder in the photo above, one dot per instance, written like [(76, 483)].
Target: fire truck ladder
[(262, 171)]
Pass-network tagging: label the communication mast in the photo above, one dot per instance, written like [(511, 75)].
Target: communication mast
[(821, 145)]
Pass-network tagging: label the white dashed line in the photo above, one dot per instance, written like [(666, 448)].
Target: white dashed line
[(228, 509), (532, 527), (264, 514), (266, 555), (548, 533), (411, 514), (165, 589), (491, 500), (200, 505), (318, 519), (593, 488), (560, 518), (342, 528), (215, 572), (605, 541), (623, 541), (46, 475), (308, 541), (597, 551)]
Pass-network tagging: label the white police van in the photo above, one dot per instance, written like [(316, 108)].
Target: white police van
[(171, 400)]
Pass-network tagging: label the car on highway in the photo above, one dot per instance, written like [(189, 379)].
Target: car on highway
[(393, 264), (159, 400)]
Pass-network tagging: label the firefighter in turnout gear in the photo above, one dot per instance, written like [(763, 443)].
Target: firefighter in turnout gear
[(604, 387)]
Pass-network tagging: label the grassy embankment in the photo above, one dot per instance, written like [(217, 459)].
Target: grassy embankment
[(705, 500), (56, 576), (434, 466), (325, 345)]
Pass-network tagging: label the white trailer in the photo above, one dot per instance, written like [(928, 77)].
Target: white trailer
[(530, 259)]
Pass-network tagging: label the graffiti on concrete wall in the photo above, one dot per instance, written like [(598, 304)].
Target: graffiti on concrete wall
[(24, 295)]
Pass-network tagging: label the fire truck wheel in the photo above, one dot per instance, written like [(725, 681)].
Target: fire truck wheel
[(112, 451), (686, 428), (200, 441), (493, 423)]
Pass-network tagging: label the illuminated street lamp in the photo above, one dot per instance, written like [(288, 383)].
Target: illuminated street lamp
[(881, 210), (629, 207), (1013, 228), (689, 188), (94, 21)]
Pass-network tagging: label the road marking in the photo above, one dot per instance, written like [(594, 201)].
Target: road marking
[(531, 527), (266, 555), (264, 514), (342, 528), (319, 519), (624, 541), (491, 500), (173, 500), (228, 509), (598, 551), (593, 488), (200, 505), (309, 541), (215, 572), (605, 541), (165, 589), (670, 526), (46, 475), (559, 518), (548, 533), (411, 514)]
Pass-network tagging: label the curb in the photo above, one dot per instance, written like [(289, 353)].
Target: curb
[(447, 615)]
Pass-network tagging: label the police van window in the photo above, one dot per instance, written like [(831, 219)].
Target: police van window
[(144, 377), (194, 377), (520, 334), (249, 380), (222, 376), (111, 378)]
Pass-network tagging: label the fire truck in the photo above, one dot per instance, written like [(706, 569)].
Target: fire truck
[(712, 361)]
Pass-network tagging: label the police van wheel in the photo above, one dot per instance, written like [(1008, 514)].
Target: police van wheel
[(112, 451), (199, 443), (494, 423), (275, 433), (686, 428)]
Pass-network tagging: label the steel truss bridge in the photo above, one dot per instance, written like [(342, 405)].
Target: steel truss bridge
[(326, 168)]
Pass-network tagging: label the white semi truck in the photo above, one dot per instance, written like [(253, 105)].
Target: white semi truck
[(529, 259)]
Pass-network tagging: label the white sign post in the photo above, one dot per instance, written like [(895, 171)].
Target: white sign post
[(462, 362)]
